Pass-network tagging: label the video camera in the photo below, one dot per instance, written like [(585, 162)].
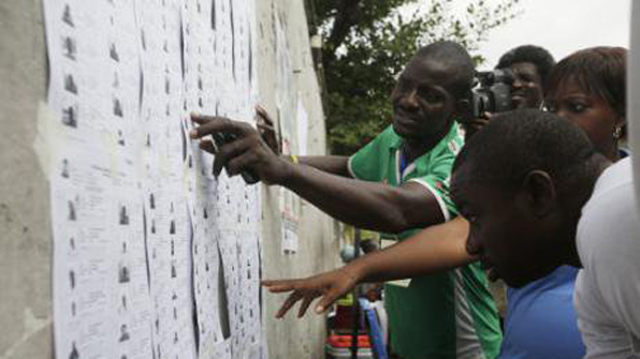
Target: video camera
[(492, 92)]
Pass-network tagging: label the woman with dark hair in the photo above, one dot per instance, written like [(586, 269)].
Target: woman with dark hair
[(589, 89)]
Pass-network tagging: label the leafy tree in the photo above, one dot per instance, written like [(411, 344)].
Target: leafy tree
[(368, 42)]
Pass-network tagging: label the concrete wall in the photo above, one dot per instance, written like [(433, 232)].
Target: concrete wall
[(291, 337), (25, 235)]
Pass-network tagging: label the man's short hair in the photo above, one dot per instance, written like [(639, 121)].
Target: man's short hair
[(454, 55), (600, 71), (517, 142), (536, 55)]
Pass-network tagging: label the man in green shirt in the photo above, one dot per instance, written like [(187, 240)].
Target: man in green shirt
[(397, 185)]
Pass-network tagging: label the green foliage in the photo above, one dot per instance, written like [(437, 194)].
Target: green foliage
[(367, 44)]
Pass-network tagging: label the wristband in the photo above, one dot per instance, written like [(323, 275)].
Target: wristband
[(294, 159)]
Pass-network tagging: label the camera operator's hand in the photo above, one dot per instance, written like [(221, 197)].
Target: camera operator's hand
[(267, 130), (473, 126), (248, 152), (330, 286)]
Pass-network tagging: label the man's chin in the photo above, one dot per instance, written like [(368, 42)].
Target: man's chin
[(402, 131)]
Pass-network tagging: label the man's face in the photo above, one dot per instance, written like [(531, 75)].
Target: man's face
[(526, 90), (422, 105), (512, 244)]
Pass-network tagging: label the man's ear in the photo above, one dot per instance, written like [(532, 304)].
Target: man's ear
[(540, 193)]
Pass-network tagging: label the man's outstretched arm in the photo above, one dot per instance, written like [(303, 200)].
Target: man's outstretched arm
[(337, 165), (432, 250), (364, 204)]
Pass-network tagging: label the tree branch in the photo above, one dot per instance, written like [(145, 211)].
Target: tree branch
[(346, 17)]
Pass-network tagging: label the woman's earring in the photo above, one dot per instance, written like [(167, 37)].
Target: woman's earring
[(617, 132)]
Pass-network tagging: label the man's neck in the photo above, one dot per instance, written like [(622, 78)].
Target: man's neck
[(413, 148), (577, 201)]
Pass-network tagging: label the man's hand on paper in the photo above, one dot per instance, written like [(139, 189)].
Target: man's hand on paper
[(267, 129), (248, 152)]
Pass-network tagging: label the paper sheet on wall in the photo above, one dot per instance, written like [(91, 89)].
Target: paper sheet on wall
[(153, 256)]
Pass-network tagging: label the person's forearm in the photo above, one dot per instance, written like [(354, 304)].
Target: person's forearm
[(432, 250), (364, 204), (337, 165)]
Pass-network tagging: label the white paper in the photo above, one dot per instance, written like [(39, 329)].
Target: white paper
[(153, 257)]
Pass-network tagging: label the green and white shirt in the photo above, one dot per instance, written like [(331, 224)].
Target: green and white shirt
[(444, 315)]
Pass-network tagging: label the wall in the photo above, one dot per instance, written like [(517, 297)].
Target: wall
[(25, 234), (291, 337)]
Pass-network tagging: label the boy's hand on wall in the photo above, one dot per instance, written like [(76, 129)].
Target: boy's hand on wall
[(330, 286)]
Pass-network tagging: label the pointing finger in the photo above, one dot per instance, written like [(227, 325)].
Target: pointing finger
[(212, 124), (264, 115), (279, 286)]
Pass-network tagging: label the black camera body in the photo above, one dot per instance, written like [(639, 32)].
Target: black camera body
[(492, 92)]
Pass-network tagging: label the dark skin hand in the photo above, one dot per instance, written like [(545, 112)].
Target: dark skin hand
[(332, 164), (267, 130), (364, 204), (433, 250)]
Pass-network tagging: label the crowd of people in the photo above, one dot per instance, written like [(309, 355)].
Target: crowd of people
[(540, 196)]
